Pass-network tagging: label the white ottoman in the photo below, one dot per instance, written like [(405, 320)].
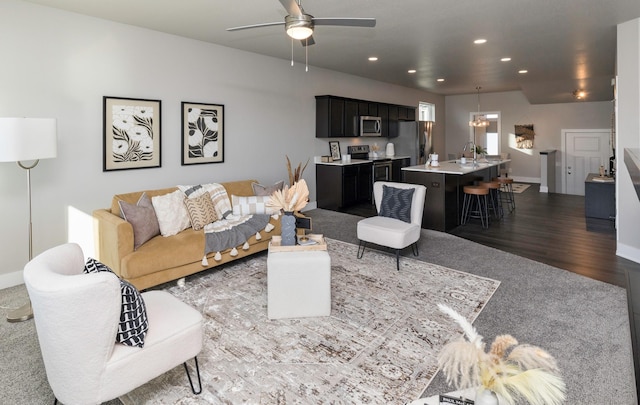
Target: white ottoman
[(298, 284)]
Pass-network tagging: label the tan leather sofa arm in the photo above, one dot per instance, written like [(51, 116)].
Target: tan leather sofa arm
[(113, 238)]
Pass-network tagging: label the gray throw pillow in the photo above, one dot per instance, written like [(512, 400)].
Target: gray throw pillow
[(142, 218), (260, 190), (396, 203)]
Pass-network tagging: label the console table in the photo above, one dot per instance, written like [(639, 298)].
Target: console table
[(599, 198)]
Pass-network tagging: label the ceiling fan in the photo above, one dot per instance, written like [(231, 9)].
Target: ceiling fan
[(299, 25)]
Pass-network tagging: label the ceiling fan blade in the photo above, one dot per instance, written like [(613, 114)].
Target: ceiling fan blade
[(308, 42), (292, 7), (246, 27), (346, 22)]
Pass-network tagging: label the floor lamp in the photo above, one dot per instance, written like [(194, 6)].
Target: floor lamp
[(27, 140)]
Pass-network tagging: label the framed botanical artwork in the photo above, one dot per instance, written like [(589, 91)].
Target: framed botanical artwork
[(202, 133), (131, 133), (334, 149)]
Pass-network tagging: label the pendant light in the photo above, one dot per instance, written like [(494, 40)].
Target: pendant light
[(480, 120)]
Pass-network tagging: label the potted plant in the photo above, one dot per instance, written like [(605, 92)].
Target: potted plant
[(511, 370), (480, 151)]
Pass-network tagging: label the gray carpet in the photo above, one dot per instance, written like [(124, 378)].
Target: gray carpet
[(582, 322)]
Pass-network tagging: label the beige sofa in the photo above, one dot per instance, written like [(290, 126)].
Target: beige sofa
[(163, 259)]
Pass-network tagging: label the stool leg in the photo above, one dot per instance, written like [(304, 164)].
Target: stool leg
[(513, 199), (486, 212), (482, 211), (465, 210)]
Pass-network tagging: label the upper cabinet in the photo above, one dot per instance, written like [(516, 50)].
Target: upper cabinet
[(339, 117)]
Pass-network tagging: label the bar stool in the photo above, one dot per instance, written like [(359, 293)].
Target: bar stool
[(506, 192), (494, 197), (475, 207)]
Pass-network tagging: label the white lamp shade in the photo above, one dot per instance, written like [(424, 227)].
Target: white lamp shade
[(27, 139)]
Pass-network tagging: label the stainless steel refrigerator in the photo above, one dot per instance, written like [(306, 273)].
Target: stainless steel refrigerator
[(414, 140)]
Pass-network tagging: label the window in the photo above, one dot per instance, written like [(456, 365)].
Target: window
[(426, 112), (487, 137)]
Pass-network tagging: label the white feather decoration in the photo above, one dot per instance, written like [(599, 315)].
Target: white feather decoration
[(467, 328)]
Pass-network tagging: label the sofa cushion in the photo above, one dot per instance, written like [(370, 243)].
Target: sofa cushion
[(396, 203), (252, 205), (134, 324), (171, 212), (218, 195), (261, 190), (142, 218), (201, 211)]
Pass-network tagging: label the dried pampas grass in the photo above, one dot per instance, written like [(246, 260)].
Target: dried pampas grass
[(513, 371), (293, 198)]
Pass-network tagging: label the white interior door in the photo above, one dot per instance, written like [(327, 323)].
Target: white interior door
[(585, 150)]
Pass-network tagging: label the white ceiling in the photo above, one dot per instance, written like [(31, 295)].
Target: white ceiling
[(564, 44)]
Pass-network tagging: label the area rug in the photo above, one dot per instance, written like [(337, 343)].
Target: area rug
[(519, 187), (378, 346)]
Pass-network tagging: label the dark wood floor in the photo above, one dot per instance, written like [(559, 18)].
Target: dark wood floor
[(550, 228)]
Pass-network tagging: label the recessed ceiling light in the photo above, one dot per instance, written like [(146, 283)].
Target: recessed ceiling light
[(579, 94), (523, 71), (373, 58), (411, 71), (505, 59), (480, 41), (440, 80)]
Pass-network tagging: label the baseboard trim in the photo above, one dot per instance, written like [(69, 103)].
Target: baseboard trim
[(628, 252), (11, 279)]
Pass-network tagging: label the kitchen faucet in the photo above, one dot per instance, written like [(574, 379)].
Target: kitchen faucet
[(473, 145)]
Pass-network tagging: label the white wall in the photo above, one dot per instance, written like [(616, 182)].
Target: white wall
[(548, 120), (59, 64), (628, 136)]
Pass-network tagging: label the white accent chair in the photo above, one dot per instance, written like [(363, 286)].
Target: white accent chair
[(390, 232), (76, 317)]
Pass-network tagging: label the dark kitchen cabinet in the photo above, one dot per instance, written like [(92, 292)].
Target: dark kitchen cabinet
[(352, 119), (368, 108), (396, 168), (336, 117), (406, 113), (340, 117), (339, 186), (393, 131), (383, 113)]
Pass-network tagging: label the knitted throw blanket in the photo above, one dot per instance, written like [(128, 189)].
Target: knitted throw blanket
[(232, 232)]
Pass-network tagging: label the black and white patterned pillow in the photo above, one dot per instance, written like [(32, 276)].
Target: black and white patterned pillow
[(134, 323), (396, 203)]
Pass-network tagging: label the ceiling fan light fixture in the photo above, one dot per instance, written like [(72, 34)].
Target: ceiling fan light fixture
[(299, 27)]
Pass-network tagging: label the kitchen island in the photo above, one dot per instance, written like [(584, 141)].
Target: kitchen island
[(443, 203)]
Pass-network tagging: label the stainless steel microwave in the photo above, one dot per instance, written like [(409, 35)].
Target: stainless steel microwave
[(370, 126)]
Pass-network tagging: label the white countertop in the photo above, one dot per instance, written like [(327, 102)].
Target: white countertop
[(358, 161), (455, 167)]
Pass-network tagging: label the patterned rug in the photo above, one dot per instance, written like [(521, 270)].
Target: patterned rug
[(519, 187), (378, 346)]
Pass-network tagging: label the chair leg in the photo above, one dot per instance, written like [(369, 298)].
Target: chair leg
[(55, 401), (361, 247), (186, 369), (398, 259), (414, 247)]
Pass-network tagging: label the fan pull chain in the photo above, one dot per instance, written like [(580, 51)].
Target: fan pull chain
[(291, 51), (306, 55)]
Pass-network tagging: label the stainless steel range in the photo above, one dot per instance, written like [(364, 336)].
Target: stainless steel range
[(381, 165)]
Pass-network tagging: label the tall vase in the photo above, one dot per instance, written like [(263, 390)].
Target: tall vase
[(486, 397), (288, 225)]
